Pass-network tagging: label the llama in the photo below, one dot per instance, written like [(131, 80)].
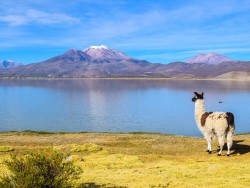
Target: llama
[(214, 124)]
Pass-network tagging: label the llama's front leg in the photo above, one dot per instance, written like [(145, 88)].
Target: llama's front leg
[(209, 143), (208, 147)]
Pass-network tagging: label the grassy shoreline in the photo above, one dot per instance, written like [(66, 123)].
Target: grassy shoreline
[(140, 159), (139, 132)]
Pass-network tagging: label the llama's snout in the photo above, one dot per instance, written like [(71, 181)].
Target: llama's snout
[(194, 99), (197, 96)]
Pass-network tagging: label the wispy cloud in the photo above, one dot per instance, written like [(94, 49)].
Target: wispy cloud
[(38, 17), (121, 25), (135, 27)]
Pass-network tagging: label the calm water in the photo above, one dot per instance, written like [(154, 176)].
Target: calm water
[(96, 105)]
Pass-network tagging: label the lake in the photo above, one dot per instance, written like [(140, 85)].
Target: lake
[(117, 105)]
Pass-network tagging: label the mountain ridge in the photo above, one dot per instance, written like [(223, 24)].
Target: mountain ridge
[(210, 58), (106, 62)]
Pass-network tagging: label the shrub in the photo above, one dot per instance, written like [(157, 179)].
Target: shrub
[(46, 169), (79, 148), (6, 149)]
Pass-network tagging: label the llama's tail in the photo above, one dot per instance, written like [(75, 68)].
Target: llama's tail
[(230, 130), (230, 122)]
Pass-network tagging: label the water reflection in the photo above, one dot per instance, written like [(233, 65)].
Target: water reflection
[(127, 84), (116, 105)]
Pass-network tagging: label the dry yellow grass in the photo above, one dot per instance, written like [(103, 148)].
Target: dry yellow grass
[(141, 160)]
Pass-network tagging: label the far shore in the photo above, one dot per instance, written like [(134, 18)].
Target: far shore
[(126, 78)]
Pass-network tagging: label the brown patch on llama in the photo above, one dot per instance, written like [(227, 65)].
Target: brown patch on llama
[(204, 118)]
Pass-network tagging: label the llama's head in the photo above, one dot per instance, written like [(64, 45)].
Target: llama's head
[(197, 96)]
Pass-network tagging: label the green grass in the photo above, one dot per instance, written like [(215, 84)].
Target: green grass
[(6, 149), (140, 159), (78, 148)]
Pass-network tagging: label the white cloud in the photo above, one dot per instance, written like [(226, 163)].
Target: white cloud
[(129, 25), (14, 20), (123, 23), (38, 17)]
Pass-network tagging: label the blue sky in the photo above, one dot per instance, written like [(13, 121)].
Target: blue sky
[(158, 31)]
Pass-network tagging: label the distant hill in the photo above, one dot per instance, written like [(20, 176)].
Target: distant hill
[(8, 64), (102, 61), (236, 75), (211, 58)]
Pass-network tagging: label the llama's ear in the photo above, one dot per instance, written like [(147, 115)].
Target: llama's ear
[(196, 93), (202, 94)]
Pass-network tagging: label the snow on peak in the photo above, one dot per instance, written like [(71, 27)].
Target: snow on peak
[(99, 47), (211, 58), (9, 61), (104, 52)]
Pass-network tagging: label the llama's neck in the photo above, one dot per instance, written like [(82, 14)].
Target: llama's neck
[(199, 110)]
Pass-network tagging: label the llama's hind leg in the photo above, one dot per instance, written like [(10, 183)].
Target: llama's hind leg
[(208, 147), (221, 143), (229, 142)]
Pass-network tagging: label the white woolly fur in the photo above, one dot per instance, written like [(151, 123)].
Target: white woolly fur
[(216, 126)]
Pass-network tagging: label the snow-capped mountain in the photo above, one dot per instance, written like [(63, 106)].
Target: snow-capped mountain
[(104, 52), (211, 58), (7, 64), (101, 61)]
